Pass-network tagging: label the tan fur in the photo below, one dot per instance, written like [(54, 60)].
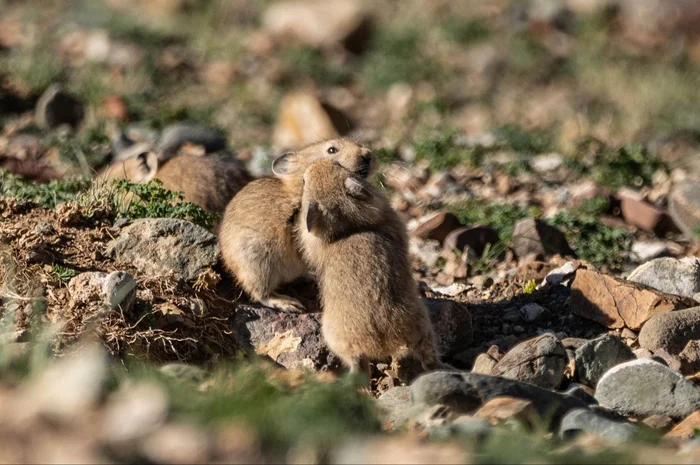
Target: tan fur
[(209, 181), (256, 233), (358, 247)]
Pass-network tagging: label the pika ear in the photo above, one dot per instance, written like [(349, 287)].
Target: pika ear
[(149, 162), (282, 165), (357, 189), (313, 217)]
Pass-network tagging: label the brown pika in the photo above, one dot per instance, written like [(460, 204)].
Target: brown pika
[(357, 245), (256, 236), (209, 181)]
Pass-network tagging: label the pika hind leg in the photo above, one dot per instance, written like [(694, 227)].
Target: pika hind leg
[(357, 365)]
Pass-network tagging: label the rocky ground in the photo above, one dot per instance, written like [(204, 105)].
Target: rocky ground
[(543, 155)]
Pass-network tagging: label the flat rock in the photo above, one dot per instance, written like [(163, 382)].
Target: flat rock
[(56, 107), (437, 226), (393, 405), (645, 387), (642, 251), (596, 357), (484, 364), (670, 275), (587, 421), (466, 392), (293, 341), (534, 237), (686, 429), (671, 331), (313, 22), (162, 246), (616, 303), (503, 408), (640, 213), (684, 206), (476, 238), (540, 361), (301, 121)]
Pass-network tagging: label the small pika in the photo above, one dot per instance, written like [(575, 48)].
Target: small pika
[(357, 245), (256, 235), (209, 181)]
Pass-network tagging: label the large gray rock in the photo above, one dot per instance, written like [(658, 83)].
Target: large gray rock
[(466, 392), (596, 357), (394, 405), (645, 387), (671, 331), (162, 246), (533, 237), (540, 361), (670, 275), (587, 421)]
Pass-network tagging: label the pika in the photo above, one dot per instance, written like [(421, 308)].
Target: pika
[(256, 235), (358, 247), (209, 181)]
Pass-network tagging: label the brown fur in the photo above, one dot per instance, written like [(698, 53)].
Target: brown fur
[(357, 244), (256, 233), (209, 181)]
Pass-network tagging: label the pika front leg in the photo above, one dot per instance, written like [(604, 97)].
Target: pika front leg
[(283, 303)]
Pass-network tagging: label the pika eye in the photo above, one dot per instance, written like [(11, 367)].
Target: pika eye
[(332, 150)]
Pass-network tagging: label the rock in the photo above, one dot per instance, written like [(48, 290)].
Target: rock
[(113, 290), (671, 331), (302, 120), (596, 357), (162, 246), (293, 341), (428, 252), (437, 226), (452, 323), (586, 421), (581, 392), (661, 422), (690, 357), (636, 211), (55, 108), (616, 303), (175, 136), (314, 22), (687, 429), (393, 405), (684, 206), (537, 237), (177, 443), (540, 361), (533, 312), (643, 251), (643, 353), (134, 412), (670, 360), (503, 408), (466, 392), (484, 364), (670, 275), (561, 274), (546, 162), (646, 387), (476, 238), (453, 289), (69, 387)]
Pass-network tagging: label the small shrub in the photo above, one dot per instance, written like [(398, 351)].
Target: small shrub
[(518, 139), (45, 195), (530, 287), (63, 273), (625, 166), (443, 154), (309, 63), (500, 216), (152, 200), (465, 31)]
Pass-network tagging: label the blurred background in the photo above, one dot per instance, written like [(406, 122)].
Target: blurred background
[(539, 75)]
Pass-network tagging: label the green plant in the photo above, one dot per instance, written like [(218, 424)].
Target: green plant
[(443, 153), (630, 165), (529, 287), (63, 273), (152, 200), (465, 31), (33, 68), (309, 63), (515, 137), (45, 195), (500, 216)]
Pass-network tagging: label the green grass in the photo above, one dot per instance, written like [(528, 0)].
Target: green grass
[(45, 195), (152, 200), (33, 69), (626, 166), (500, 216), (306, 63), (397, 56), (442, 153), (520, 140), (464, 31)]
